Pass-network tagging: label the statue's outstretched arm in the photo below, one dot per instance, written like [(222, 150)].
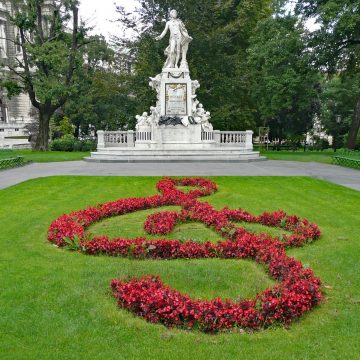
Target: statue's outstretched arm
[(164, 32)]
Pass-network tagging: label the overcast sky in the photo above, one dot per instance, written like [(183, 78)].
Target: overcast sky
[(99, 14)]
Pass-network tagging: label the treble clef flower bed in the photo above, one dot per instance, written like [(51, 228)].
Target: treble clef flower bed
[(297, 292)]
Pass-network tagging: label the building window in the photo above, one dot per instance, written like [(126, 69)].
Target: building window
[(17, 41), (2, 130), (16, 129), (2, 112), (3, 50)]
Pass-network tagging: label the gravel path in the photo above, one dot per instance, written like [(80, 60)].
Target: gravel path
[(336, 174)]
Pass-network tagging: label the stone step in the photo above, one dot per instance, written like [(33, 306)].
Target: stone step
[(175, 156), (151, 152)]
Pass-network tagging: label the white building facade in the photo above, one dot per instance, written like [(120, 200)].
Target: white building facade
[(16, 112)]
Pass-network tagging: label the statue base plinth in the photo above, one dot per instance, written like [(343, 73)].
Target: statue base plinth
[(176, 137), (175, 144)]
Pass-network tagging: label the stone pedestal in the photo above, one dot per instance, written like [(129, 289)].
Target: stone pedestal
[(172, 138), (176, 93)]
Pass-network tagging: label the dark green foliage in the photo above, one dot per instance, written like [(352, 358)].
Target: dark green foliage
[(348, 158), (285, 85), (71, 144), (102, 100), (102, 103), (12, 87), (11, 162), (337, 46), (338, 96)]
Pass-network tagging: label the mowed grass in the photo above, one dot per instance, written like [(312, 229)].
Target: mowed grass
[(59, 156), (41, 156), (56, 304), (129, 227), (324, 157)]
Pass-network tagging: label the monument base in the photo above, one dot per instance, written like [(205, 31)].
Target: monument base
[(164, 156), (175, 144)]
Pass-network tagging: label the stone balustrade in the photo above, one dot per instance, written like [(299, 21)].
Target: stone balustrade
[(145, 135), (239, 139), (207, 136), (116, 139), (232, 137), (236, 138)]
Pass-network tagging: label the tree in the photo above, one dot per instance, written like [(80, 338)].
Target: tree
[(103, 104), (50, 56), (337, 44), (217, 56), (284, 84), (337, 106), (102, 100)]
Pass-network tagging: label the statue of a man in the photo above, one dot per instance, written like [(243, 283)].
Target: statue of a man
[(179, 42)]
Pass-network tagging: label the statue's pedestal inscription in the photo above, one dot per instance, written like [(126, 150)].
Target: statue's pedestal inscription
[(176, 99)]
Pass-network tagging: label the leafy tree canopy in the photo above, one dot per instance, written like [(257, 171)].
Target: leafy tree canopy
[(337, 45), (285, 85), (50, 56)]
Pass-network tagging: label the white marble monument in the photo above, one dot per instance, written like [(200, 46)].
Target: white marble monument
[(177, 127)]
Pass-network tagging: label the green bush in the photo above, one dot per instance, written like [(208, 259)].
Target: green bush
[(69, 144), (319, 144), (352, 154)]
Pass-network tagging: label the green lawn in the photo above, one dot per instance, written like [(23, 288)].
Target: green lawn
[(38, 156), (58, 156), (55, 304), (324, 157)]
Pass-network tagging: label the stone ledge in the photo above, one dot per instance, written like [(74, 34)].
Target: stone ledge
[(174, 161)]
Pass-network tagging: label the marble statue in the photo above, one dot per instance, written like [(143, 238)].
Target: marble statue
[(154, 115), (178, 44), (174, 108), (205, 122), (194, 107), (177, 125), (142, 120), (155, 83), (201, 116), (194, 86)]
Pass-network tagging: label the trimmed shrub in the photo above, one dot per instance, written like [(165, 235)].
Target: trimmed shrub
[(69, 144)]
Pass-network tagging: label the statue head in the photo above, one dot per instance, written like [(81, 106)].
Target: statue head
[(173, 14), (145, 114)]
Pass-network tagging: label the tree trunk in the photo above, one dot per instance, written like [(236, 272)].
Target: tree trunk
[(355, 126), (42, 141)]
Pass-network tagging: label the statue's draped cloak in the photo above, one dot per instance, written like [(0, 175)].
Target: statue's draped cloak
[(185, 41)]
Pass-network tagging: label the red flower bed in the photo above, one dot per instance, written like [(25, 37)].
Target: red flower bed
[(297, 292)]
